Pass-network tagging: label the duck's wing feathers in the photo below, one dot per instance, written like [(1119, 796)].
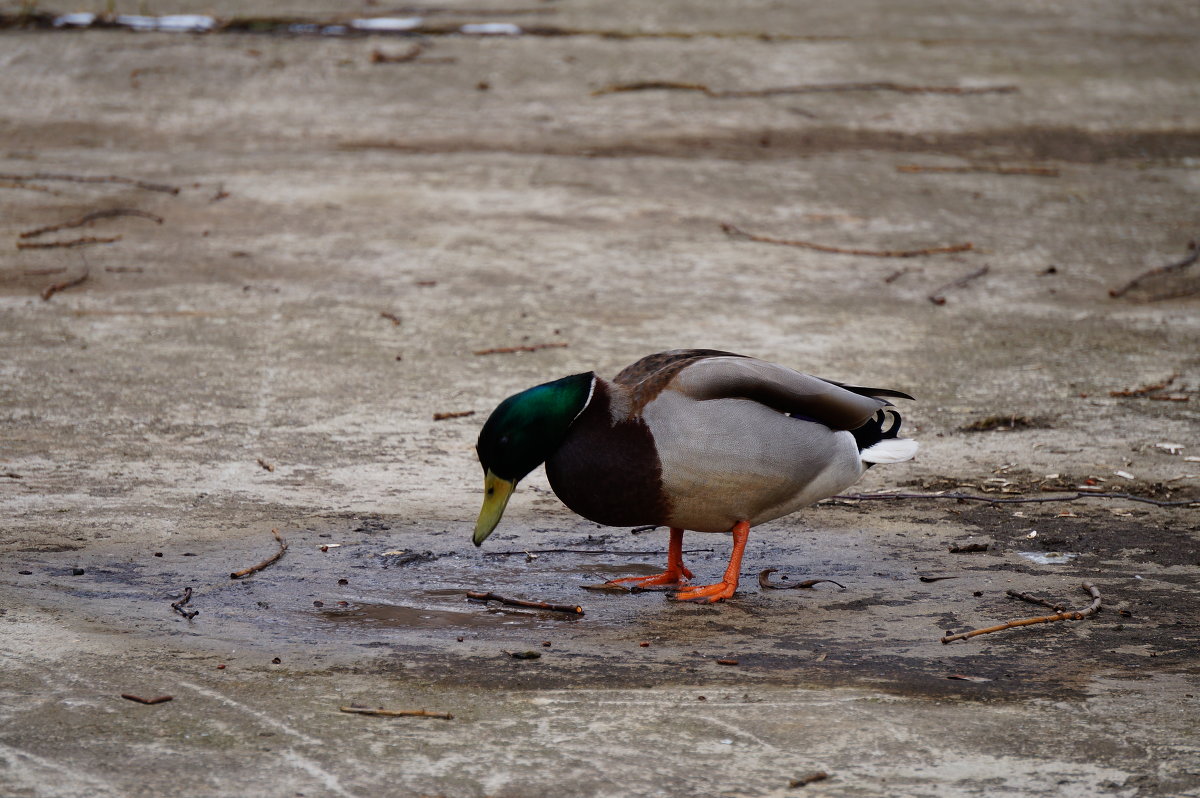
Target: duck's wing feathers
[(720, 376), (646, 378)]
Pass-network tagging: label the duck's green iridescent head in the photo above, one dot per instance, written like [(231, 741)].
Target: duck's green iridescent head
[(520, 435)]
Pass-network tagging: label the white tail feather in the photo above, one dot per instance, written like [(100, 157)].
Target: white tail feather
[(890, 450)]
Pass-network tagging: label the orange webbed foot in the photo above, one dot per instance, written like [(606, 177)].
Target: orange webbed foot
[(728, 584), (669, 578), (709, 593)]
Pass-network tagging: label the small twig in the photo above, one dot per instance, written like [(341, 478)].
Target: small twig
[(809, 778), (457, 414), (1035, 600), (1065, 615), (736, 232), (44, 176), (935, 578), (764, 580), (937, 297), (1016, 499), (1192, 256), (526, 552), (637, 530), (90, 217), (256, 568), (392, 317), (807, 88), (397, 713), (537, 605), (266, 466), (896, 275), (74, 242), (508, 350), (27, 187), (54, 288), (1035, 171), (162, 699), (1146, 389), (178, 606)]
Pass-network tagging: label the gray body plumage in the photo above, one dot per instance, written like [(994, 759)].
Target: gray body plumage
[(724, 445)]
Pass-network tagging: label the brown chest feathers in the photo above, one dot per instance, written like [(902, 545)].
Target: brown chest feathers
[(609, 473)]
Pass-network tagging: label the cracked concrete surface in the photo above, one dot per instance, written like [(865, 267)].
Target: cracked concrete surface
[(228, 371)]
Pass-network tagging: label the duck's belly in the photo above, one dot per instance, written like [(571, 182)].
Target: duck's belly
[(731, 460)]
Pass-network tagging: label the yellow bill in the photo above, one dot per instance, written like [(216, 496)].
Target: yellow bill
[(495, 498)]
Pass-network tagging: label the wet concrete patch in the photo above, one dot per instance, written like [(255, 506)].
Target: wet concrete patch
[(351, 601)]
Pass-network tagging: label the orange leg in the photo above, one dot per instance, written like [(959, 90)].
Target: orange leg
[(676, 573), (728, 584)]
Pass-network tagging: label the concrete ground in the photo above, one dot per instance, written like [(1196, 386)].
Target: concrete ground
[(355, 219)]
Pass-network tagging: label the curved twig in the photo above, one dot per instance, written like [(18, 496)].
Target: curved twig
[(256, 568), (476, 595), (108, 213), (764, 580), (397, 713), (1015, 499), (178, 606), (1065, 615), (736, 232)]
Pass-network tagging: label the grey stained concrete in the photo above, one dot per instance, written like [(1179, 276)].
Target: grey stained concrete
[(230, 371)]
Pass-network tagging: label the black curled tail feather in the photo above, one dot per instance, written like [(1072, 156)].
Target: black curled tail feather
[(885, 423)]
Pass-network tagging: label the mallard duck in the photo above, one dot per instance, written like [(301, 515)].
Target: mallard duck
[(691, 439)]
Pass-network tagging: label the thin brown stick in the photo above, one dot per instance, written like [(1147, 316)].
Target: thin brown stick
[(1192, 256), (524, 552), (162, 699), (938, 298), (805, 88), (397, 713), (1065, 615), (453, 414), (74, 242), (1146, 389), (178, 606), (54, 288), (1035, 600), (809, 778), (508, 350), (1016, 499), (90, 217), (45, 176), (475, 595), (28, 187), (736, 232), (764, 580), (1035, 171), (392, 317), (256, 568)]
